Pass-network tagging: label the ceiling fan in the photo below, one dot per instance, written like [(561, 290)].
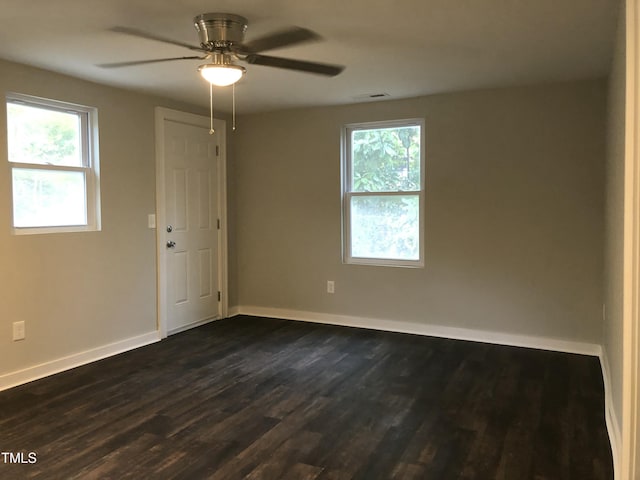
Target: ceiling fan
[(222, 43)]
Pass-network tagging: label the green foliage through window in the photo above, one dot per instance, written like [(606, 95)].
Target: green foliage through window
[(386, 159), (42, 136), (383, 193), (54, 165), (385, 227)]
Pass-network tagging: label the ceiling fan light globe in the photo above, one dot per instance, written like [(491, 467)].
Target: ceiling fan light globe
[(221, 75)]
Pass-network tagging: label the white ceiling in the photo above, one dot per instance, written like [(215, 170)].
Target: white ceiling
[(403, 48)]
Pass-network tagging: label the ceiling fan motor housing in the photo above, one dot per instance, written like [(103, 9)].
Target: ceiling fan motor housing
[(220, 30)]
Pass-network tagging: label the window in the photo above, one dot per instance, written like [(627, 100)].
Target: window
[(383, 193), (54, 165)]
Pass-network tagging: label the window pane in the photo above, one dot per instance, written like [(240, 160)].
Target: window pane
[(385, 227), (385, 159), (43, 136), (43, 198)]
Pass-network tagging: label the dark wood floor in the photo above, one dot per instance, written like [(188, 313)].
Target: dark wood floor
[(271, 399)]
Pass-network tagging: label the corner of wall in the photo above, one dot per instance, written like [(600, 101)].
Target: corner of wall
[(611, 416)]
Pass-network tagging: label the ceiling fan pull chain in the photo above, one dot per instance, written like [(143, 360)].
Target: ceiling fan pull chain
[(211, 130), (233, 106)]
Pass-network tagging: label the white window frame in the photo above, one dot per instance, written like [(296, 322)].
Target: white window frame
[(90, 163), (347, 194)]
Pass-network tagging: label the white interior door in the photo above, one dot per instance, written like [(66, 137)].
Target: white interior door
[(189, 223)]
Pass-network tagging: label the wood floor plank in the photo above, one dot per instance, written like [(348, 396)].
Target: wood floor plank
[(284, 460), (262, 398), (300, 471)]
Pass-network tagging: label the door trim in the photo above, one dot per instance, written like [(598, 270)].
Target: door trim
[(631, 271), (162, 115)]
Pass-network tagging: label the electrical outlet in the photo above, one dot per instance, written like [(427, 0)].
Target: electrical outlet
[(331, 286), (18, 331)]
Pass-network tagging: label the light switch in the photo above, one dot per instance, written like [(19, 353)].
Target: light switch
[(18, 331)]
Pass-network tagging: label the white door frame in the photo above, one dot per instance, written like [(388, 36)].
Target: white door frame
[(165, 114), (631, 269)]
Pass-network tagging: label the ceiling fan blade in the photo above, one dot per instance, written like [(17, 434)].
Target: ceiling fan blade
[(299, 65), (150, 36), (284, 38), (144, 62)]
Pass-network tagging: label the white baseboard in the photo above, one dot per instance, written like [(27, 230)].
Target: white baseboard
[(498, 338), (611, 418), (19, 377)]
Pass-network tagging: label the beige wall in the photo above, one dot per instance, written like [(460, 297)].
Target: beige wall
[(614, 222), (79, 291), (514, 213)]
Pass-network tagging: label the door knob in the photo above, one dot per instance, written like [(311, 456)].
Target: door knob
[(171, 244)]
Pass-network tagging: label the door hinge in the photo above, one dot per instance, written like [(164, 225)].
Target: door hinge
[(219, 296), (217, 150), (218, 224)]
